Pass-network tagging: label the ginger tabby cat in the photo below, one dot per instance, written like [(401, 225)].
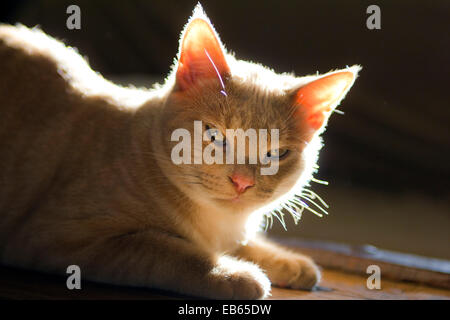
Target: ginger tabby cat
[(87, 179)]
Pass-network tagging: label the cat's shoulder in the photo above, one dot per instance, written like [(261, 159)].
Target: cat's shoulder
[(26, 50), (29, 42), (25, 46)]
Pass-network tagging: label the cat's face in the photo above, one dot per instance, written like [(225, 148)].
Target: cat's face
[(242, 108), (214, 93)]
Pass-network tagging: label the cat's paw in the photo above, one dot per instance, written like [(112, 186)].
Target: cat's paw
[(235, 279), (294, 271)]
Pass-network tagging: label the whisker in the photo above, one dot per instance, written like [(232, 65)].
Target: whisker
[(314, 195), (314, 203), (280, 218), (320, 181), (308, 207), (269, 217), (218, 73), (298, 210)]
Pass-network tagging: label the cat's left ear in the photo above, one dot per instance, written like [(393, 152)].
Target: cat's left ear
[(317, 99), (201, 55)]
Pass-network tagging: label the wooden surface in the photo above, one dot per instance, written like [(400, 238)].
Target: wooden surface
[(395, 266), (344, 277), (19, 284), (338, 285)]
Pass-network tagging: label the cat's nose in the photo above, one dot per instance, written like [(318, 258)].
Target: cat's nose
[(241, 182)]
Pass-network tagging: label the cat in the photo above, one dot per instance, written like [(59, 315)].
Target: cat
[(86, 176)]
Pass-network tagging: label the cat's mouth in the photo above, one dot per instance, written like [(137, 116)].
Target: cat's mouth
[(236, 199)]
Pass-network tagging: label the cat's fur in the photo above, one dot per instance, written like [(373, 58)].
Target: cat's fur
[(86, 176)]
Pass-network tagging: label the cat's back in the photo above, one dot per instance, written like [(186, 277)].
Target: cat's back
[(61, 124), (33, 100), (51, 127), (32, 87)]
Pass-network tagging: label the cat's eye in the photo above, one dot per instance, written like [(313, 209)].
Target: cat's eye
[(277, 154), (215, 136)]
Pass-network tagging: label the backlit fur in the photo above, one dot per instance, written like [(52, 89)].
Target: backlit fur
[(86, 176)]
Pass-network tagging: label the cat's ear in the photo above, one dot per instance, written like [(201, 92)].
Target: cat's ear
[(201, 55), (318, 98)]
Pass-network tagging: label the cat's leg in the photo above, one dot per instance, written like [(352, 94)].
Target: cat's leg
[(285, 268), (156, 259)]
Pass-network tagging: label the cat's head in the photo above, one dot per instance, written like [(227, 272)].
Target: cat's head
[(212, 92)]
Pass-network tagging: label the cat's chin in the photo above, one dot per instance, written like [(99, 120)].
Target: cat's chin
[(236, 202), (232, 200)]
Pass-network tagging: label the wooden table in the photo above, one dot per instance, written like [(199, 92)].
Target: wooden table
[(19, 284), (344, 277)]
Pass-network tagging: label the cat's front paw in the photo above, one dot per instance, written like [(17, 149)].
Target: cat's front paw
[(296, 272), (240, 280)]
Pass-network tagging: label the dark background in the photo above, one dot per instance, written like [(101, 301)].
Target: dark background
[(387, 159)]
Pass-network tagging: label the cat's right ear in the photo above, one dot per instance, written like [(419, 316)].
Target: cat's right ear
[(201, 55)]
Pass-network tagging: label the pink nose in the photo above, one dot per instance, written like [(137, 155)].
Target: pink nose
[(241, 183)]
